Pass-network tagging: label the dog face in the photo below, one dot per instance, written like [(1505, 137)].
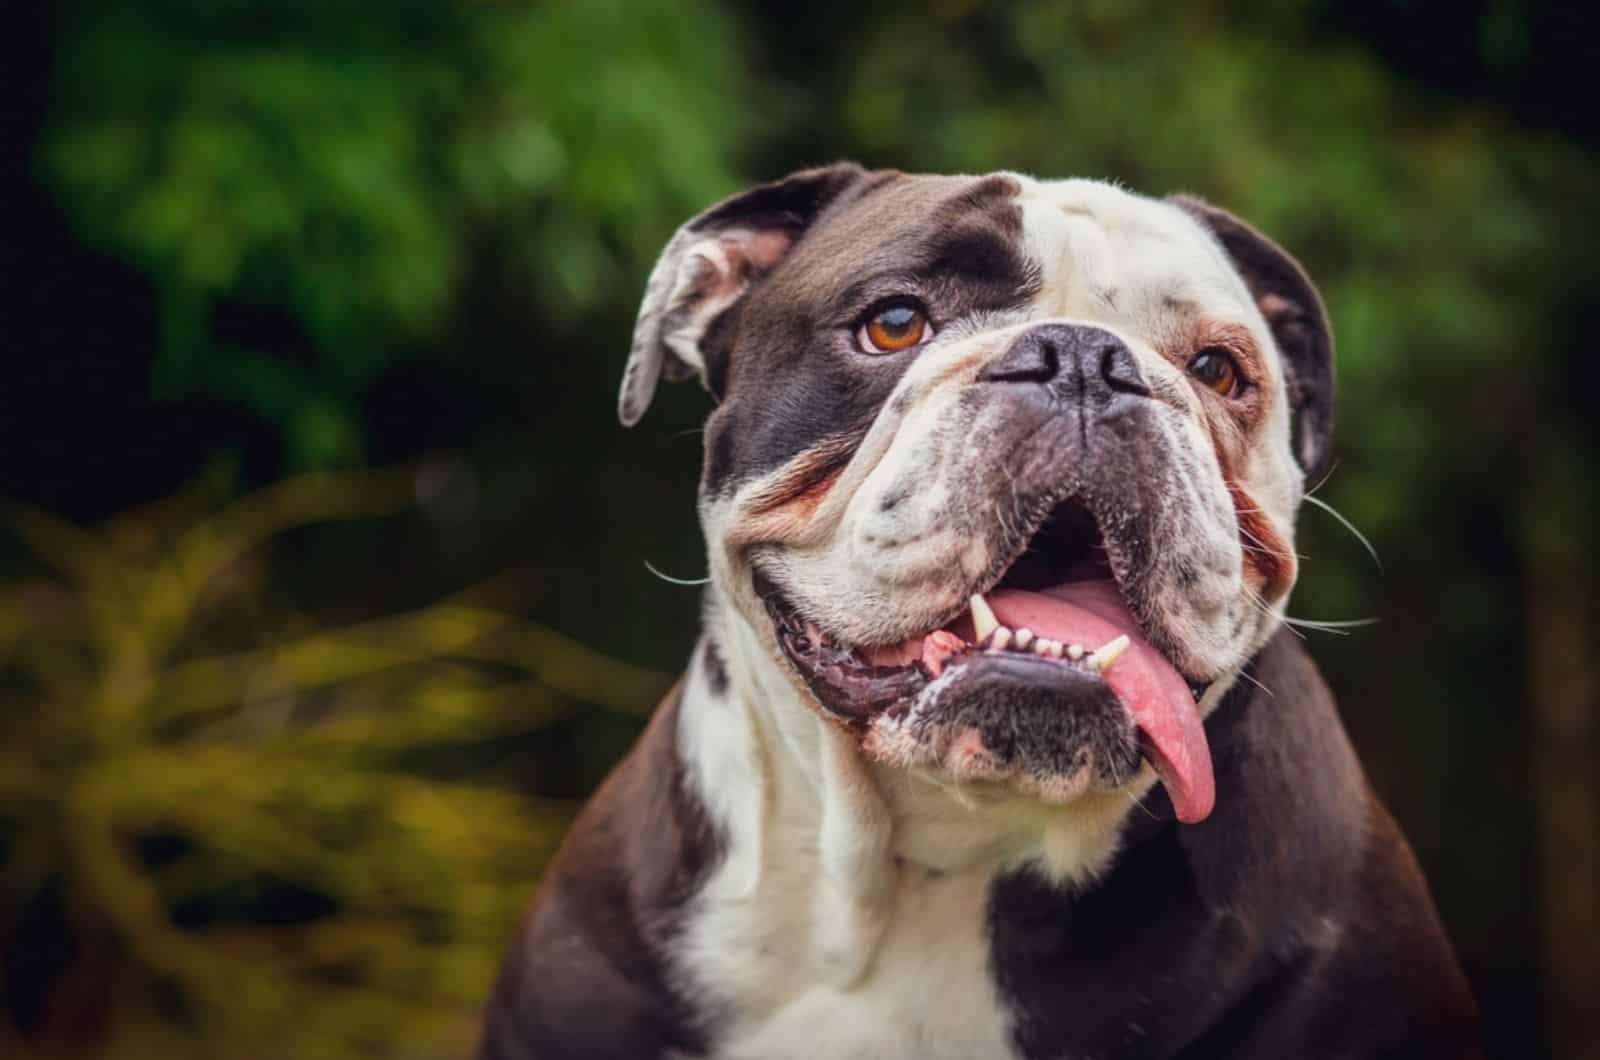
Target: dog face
[(1003, 472)]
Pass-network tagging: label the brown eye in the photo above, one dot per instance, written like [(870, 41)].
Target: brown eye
[(894, 328), (1215, 368)]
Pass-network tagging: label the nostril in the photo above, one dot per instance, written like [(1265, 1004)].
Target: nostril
[(1031, 359), (1050, 355), (1120, 372)]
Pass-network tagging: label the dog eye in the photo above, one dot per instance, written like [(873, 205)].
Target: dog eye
[(895, 327), (1215, 368)]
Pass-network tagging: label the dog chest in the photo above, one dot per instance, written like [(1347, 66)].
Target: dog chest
[(772, 966)]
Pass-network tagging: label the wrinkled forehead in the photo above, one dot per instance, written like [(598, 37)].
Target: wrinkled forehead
[(1141, 259), (1078, 248), (916, 229)]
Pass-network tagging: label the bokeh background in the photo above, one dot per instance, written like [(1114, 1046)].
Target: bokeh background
[(323, 597)]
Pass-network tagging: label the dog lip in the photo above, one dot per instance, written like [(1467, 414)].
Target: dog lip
[(853, 688), (846, 685), (1033, 691), (1023, 664)]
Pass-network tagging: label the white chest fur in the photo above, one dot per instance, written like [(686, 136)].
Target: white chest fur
[(770, 962)]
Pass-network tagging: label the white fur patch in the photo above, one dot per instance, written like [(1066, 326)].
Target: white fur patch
[(841, 950)]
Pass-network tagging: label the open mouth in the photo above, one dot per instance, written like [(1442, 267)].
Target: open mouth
[(1055, 630)]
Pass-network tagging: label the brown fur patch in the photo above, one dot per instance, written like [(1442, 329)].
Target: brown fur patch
[(1270, 565), (783, 508), (1233, 423)]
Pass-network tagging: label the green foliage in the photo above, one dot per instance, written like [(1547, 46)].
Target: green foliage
[(341, 165), (222, 799), (379, 182)]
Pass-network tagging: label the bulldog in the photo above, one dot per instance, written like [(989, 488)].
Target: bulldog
[(995, 742)]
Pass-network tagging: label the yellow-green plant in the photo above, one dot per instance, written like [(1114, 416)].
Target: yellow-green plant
[(213, 807)]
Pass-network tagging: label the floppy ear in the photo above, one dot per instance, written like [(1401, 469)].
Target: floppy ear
[(708, 266), (1299, 323)]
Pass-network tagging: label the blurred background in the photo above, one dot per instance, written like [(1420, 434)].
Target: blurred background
[(323, 597)]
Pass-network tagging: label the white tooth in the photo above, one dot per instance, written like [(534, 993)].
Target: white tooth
[(1024, 638), (1075, 652), (983, 620), (1050, 649), (1107, 653), (1002, 639)]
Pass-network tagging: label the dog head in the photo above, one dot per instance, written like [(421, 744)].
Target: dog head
[(1002, 472)]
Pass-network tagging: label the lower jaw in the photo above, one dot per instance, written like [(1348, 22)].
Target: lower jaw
[(1044, 730), (1043, 725)]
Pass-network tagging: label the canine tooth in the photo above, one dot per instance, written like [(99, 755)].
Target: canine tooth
[(1107, 653), (1024, 638), (1002, 639), (983, 620), (1074, 652)]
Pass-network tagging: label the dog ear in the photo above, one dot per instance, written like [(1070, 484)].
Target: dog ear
[(1299, 323), (708, 266)]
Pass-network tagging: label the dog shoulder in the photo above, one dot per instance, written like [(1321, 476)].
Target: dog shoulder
[(1398, 953), (590, 975), (1364, 967), (1371, 975)]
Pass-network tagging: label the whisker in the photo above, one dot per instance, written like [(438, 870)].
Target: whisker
[(957, 792), (1300, 625), (1340, 627), (1260, 545), (670, 580), (1139, 804), (1323, 481), (1348, 525), (1261, 605), (1246, 675), (1263, 550)]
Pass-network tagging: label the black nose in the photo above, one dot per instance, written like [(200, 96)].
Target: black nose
[(1074, 360)]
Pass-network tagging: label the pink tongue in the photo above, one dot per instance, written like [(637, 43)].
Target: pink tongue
[(1091, 613)]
